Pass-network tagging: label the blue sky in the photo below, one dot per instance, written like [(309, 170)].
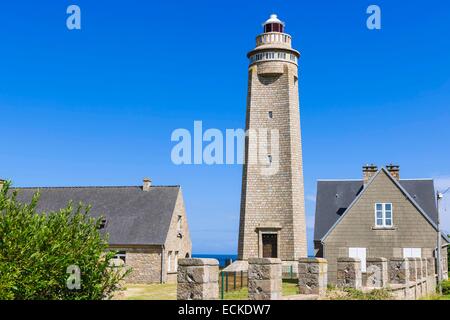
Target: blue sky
[(97, 106)]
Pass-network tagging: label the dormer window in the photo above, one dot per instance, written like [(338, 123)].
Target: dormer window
[(102, 223), (383, 215)]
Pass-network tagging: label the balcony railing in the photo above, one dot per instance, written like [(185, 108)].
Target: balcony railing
[(273, 37)]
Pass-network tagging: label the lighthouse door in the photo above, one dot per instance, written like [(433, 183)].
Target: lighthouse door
[(269, 244)]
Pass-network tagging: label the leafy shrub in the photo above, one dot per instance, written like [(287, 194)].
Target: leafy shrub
[(446, 287), (36, 250)]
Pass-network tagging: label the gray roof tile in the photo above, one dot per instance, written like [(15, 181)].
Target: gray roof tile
[(134, 217)]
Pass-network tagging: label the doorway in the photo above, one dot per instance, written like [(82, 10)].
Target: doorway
[(270, 245)]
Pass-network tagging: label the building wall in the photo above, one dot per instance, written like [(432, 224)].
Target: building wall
[(356, 229), (145, 262), (174, 243), (271, 202)]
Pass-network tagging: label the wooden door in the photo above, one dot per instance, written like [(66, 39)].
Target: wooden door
[(270, 244)]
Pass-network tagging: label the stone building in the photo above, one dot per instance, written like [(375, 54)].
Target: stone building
[(380, 215), (272, 219), (146, 224)]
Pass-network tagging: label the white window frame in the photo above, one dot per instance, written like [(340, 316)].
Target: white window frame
[(383, 215), (175, 263), (122, 255), (169, 261)]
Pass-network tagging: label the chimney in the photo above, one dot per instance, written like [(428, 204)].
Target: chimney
[(147, 184), (394, 170), (369, 171)]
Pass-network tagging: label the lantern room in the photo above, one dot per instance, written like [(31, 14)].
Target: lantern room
[(273, 24)]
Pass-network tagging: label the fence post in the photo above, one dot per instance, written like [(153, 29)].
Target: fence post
[(226, 282), (221, 289)]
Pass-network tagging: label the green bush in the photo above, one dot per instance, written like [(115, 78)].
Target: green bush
[(335, 293), (36, 250), (446, 287)]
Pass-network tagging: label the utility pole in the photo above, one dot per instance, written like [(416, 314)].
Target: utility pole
[(438, 249), (439, 196)]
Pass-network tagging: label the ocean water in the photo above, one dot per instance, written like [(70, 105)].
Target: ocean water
[(222, 258)]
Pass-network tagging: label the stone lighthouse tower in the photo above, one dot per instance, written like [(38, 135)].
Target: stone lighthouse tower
[(272, 221)]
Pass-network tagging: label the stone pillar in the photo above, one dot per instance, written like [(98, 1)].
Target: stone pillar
[(198, 279), (264, 279), (431, 267), (398, 270), (412, 270), (424, 268), (419, 268), (377, 272), (349, 273), (312, 276)]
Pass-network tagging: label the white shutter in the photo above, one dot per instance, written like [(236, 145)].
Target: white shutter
[(412, 252), (358, 253), (407, 253)]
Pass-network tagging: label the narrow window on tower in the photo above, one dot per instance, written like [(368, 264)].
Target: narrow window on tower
[(270, 158), (270, 114), (295, 80)]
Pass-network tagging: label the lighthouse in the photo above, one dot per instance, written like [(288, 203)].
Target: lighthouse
[(272, 213)]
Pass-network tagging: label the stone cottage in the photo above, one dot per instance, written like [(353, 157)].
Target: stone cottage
[(146, 224), (380, 215)]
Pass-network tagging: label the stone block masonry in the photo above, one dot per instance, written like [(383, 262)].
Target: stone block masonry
[(312, 276), (399, 270), (349, 273), (431, 267), (198, 279), (377, 272), (264, 279)]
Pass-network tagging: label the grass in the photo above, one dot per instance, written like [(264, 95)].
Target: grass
[(168, 291), (165, 291), (289, 288), (436, 297)]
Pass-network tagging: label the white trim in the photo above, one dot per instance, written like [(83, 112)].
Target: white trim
[(383, 215)]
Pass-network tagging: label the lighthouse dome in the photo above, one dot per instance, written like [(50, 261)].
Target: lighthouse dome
[(273, 24)]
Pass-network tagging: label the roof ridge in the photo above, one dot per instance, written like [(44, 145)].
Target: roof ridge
[(95, 187)]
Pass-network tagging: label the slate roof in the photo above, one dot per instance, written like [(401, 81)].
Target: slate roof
[(335, 196), (133, 216)]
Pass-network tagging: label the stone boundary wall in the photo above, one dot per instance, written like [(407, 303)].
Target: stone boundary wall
[(412, 278), (198, 279), (264, 279), (312, 276), (377, 272), (349, 273)]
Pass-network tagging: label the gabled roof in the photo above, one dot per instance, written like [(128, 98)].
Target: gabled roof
[(336, 197), (133, 216)]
